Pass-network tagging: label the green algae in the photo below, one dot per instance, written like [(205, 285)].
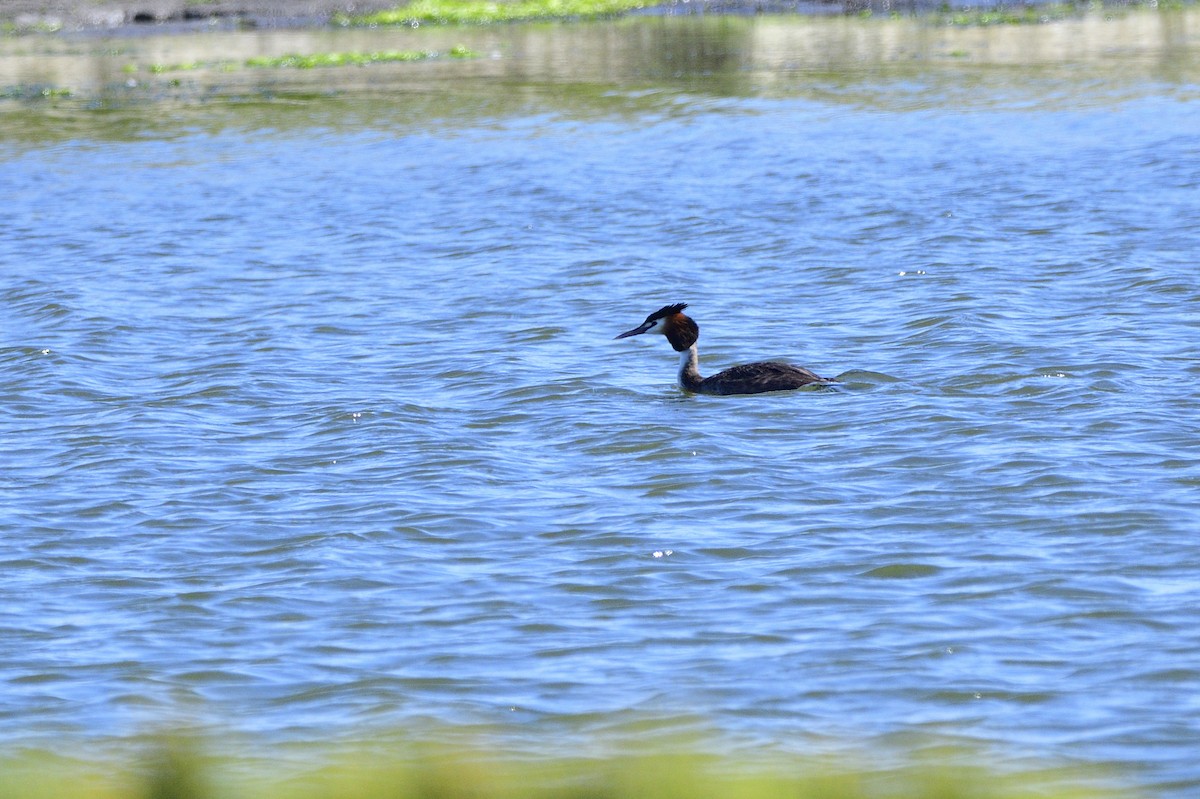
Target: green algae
[(484, 12), (1009, 15), (34, 92), (1040, 13), (317, 60), (309, 60)]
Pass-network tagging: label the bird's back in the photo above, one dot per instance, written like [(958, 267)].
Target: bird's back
[(757, 378)]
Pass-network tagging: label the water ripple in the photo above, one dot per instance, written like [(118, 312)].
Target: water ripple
[(360, 455)]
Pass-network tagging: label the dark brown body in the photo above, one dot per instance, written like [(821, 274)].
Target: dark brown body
[(751, 378)]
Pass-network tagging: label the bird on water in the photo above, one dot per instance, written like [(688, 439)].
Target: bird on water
[(751, 378)]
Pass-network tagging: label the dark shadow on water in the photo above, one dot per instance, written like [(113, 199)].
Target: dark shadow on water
[(863, 380)]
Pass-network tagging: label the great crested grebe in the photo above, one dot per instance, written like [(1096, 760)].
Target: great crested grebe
[(751, 378)]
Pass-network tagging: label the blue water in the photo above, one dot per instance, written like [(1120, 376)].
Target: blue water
[(313, 423)]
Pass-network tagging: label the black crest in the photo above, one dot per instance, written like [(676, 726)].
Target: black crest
[(666, 310), (679, 329)]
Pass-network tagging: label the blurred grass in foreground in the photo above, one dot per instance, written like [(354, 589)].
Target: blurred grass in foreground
[(179, 770)]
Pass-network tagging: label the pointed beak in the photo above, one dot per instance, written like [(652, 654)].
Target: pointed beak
[(637, 331)]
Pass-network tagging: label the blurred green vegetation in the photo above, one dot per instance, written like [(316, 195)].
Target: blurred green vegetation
[(483, 12), (178, 769), (308, 60), (1014, 14), (312, 60)]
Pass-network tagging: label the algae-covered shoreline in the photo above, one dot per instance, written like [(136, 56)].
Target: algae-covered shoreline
[(1107, 50), (134, 16), (71, 15)]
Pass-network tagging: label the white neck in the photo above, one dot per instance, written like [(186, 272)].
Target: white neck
[(689, 369)]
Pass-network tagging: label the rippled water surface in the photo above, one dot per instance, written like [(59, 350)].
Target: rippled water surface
[(313, 423)]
